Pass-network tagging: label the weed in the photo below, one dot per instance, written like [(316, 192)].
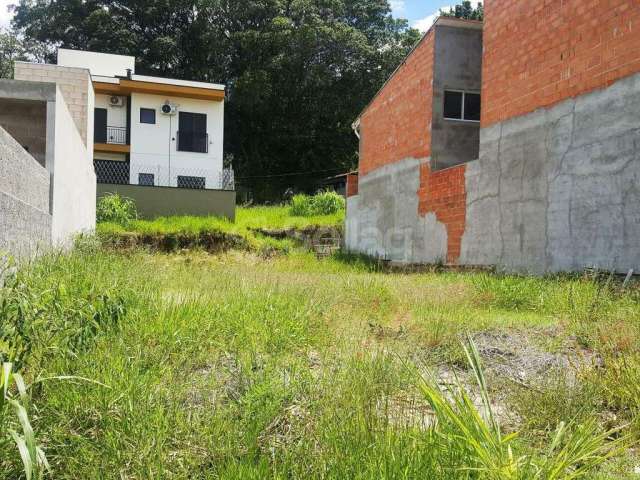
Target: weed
[(324, 203), (116, 209)]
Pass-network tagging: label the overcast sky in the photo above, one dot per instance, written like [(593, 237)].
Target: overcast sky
[(420, 13)]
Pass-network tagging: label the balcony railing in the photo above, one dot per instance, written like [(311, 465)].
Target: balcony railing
[(193, 142), (117, 135)]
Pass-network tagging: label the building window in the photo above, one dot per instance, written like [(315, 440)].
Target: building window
[(146, 179), (148, 115), (192, 136), (197, 183), (462, 106)]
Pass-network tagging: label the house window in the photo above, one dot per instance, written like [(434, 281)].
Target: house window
[(146, 179), (148, 115), (462, 106), (197, 183), (192, 136)]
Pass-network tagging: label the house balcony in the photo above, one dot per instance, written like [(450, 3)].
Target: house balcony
[(112, 140)]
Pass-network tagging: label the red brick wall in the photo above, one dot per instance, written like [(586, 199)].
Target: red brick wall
[(540, 52), (397, 124), (443, 193), (352, 185)]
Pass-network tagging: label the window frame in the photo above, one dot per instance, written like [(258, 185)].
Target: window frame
[(191, 178), (464, 94), (150, 176), (155, 116)]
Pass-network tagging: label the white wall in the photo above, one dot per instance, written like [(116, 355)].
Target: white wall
[(74, 180), (116, 116), (154, 147), (103, 64)]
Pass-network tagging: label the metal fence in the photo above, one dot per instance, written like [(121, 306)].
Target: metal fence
[(117, 135), (125, 173)]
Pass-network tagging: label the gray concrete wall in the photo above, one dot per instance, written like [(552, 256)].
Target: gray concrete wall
[(24, 107), (559, 189), (26, 121), (25, 223), (457, 66), (383, 219), (153, 202)]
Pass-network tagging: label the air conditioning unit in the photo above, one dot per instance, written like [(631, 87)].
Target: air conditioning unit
[(169, 108), (116, 101)]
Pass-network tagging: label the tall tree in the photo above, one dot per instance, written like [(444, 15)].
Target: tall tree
[(298, 71), (466, 11)]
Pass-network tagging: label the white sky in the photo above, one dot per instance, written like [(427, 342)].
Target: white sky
[(5, 16)]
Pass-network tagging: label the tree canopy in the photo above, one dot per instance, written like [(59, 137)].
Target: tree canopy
[(465, 10), (298, 71)]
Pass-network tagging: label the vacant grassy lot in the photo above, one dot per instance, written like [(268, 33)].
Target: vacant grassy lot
[(239, 367), (248, 220)]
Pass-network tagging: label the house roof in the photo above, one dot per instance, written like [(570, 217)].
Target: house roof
[(439, 22), (158, 86)]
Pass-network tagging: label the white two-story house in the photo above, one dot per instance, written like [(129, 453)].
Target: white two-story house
[(153, 131)]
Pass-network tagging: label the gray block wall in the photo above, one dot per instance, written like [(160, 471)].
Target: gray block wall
[(383, 219), (25, 223), (559, 189)]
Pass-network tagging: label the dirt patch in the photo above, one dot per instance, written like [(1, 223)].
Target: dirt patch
[(310, 237), (517, 355), (212, 242)]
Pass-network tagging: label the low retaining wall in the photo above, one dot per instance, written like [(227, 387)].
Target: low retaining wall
[(153, 202)]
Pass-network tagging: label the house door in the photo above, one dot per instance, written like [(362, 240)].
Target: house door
[(100, 125)]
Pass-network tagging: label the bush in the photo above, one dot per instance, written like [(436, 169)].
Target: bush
[(116, 209), (325, 203)]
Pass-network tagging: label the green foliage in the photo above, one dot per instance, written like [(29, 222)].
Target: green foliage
[(42, 312), (465, 10), (14, 47), (298, 73), (324, 203), (244, 232), (116, 209), (33, 458), (234, 366), (476, 436)]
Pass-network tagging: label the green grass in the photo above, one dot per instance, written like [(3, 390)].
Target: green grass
[(246, 218), (247, 221), (238, 366)]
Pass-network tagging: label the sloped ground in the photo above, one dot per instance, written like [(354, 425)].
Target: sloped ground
[(240, 366)]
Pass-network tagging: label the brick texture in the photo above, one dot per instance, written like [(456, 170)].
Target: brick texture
[(352, 185), (540, 52), (74, 83), (443, 193), (397, 124)]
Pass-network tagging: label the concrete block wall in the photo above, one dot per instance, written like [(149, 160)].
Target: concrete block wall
[(26, 122), (404, 211), (76, 87), (557, 183), (25, 223)]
